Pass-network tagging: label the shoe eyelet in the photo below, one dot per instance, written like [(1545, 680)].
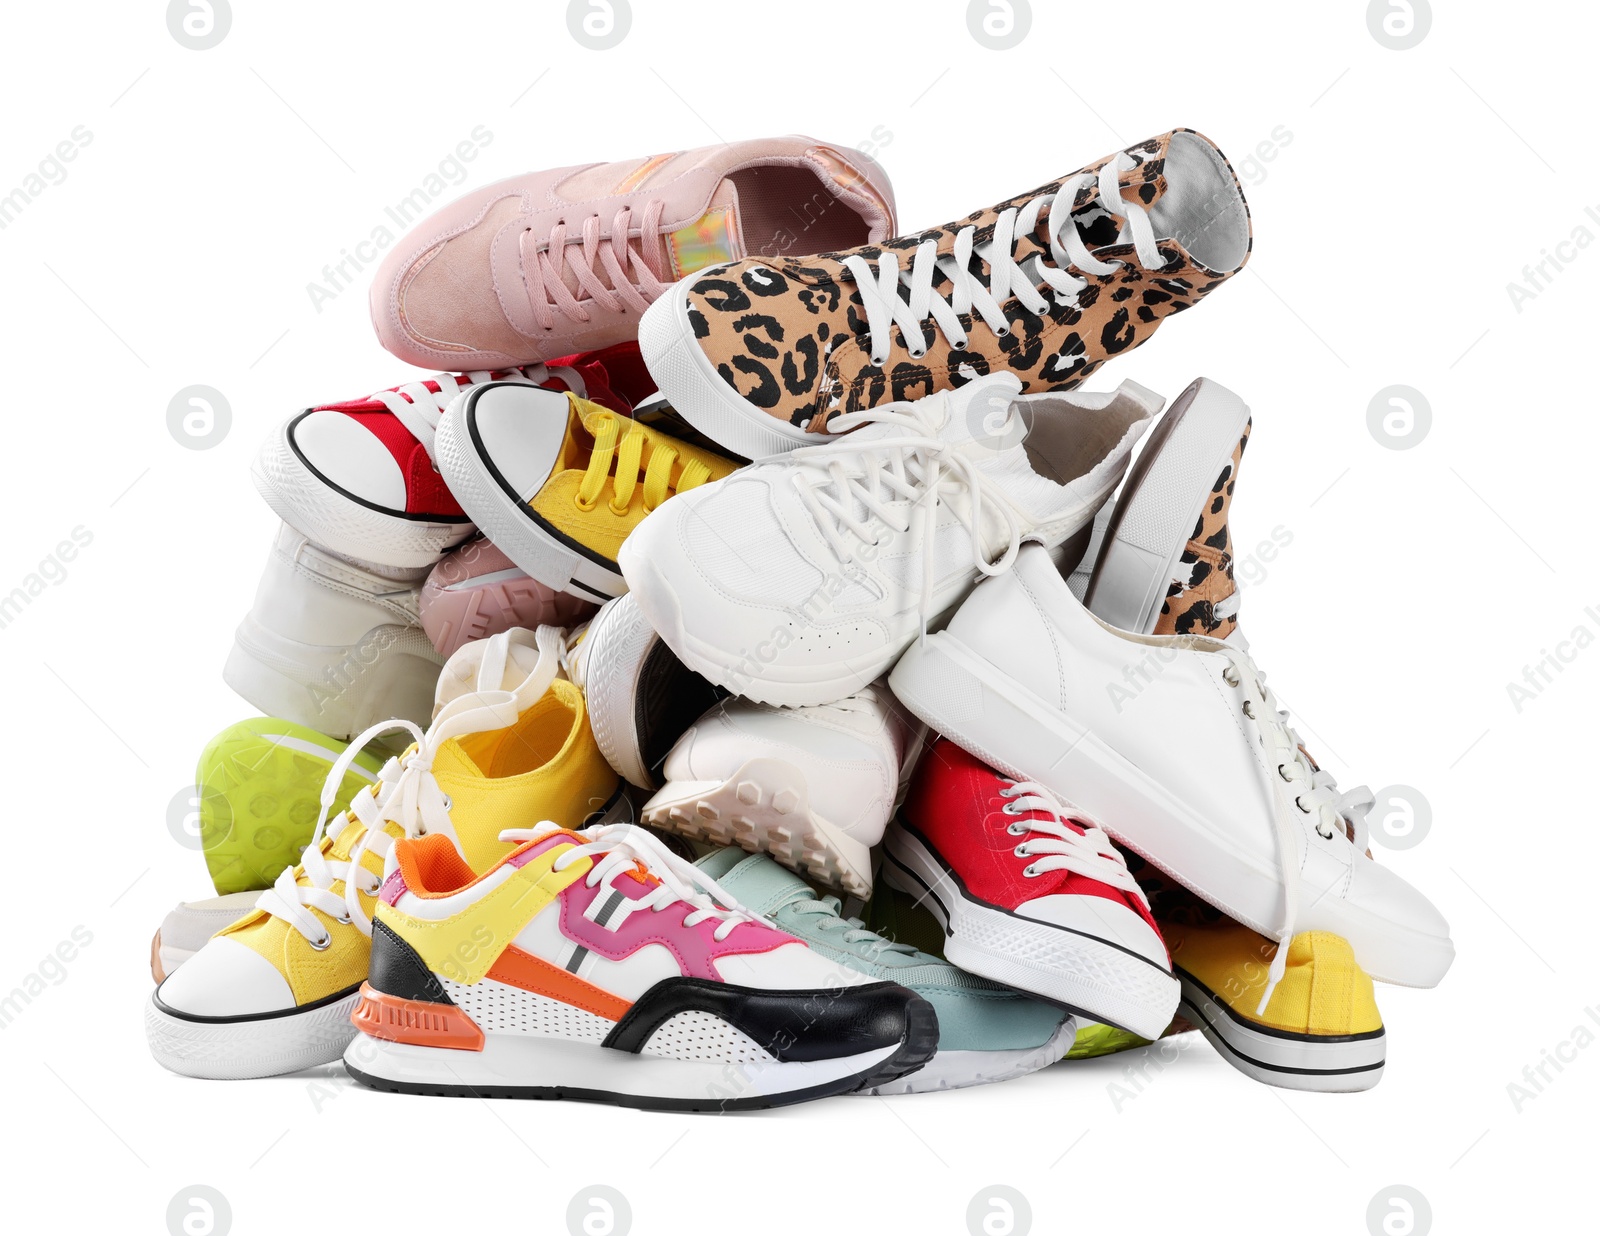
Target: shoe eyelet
[(1283, 774), (1249, 709), (1021, 851), (1326, 836), (1298, 802), (344, 920), (422, 830), (619, 512), (880, 361), (1009, 809), (1028, 872), (1230, 676), (327, 940), (448, 802), (1003, 332), (583, 506), (1016, 830)]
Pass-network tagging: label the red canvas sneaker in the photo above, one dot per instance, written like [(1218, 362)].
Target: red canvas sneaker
[(1029, 894), (358, 477)]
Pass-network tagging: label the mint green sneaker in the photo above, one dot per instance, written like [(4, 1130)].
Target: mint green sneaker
[(987, 1033), (257, 786)]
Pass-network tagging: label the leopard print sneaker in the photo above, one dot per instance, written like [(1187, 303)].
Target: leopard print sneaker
[(1048, 285)]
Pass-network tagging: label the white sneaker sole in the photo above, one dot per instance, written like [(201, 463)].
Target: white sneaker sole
[(1328, 1064), (999, 720), (526, 1066), (250, 1047), (765, 808), (955, 1070), (691, 384), (1097, 979), (1165, 495), (508, 521), (340, 521)]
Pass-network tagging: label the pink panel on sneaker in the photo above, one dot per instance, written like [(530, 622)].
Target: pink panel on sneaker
[(393, 888), (476, 592), (695, 947)]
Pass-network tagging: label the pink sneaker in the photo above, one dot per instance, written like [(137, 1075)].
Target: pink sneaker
[(567, 260), (476, 592), (358, 478)]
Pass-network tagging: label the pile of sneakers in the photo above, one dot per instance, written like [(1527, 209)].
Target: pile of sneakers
[(757, 671)]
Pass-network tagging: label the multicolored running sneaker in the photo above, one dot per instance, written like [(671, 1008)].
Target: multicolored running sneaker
[(598, 965)]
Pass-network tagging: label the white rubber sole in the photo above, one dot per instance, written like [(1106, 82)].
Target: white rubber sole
[(341, 522), (1165, 495), (691, 384), (536, 1066), (256, 1047), (1327, 1064), (507, 520), (999, 720), (765, 808), (1097, 979), (338, 691), (956, 1070)]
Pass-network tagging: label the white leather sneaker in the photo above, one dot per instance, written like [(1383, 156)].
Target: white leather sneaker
[(800, 579), (814, 787), (332, 645), (1176, 746)]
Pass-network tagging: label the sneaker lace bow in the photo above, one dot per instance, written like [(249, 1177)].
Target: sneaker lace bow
[(907, 299), (406, 793)]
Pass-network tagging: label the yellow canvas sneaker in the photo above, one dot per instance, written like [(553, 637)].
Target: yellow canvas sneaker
[(558, 483), (1321, 1029), (509, 746)]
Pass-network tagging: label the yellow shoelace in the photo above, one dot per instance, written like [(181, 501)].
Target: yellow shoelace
[(626, 449)]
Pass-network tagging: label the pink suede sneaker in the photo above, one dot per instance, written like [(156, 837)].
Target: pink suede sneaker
[(562, 261), (476, 592)]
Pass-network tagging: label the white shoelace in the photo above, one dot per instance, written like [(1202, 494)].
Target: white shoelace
[(1053, 844), (839, 480), (619, 847), (853, 929), (1292, 785), (420, 409), (407, 793), (884, 293)]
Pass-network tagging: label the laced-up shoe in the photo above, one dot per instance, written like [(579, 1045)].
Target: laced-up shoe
[(476, 591), (1047, 285), (566, 260), (273, 992), (803, 577), (598, 965), (1177, 747)]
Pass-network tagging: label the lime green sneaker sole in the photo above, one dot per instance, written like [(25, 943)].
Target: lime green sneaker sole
[(260, 784), (1097, 1040)]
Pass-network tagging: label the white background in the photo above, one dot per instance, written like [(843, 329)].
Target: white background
[(1405, 190)]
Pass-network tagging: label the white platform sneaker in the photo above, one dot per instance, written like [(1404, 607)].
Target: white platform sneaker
[(1176, 746), (801, 579), (814, 787), (332, 645)]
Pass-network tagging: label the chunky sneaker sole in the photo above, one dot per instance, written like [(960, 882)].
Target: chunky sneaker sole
[(259, 784), (1329, 1064), (1090, 977), (333, 517), (231, 1048), (983, 709), (765, 808), (641, 697), (531, 1066), (1163, 503), (956, 1070)]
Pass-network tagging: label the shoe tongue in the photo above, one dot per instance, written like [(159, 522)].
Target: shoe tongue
[(714, 238), (755, 880), (1202, 597)]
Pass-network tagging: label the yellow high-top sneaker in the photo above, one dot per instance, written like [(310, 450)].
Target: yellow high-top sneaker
[(509, 746)]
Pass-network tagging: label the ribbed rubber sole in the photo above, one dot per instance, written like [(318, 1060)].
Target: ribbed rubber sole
[(249, 1047)]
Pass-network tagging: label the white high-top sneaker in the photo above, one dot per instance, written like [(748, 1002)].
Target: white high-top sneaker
[(799, 579), (1175, 745), (332, 645), (814, 787)]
